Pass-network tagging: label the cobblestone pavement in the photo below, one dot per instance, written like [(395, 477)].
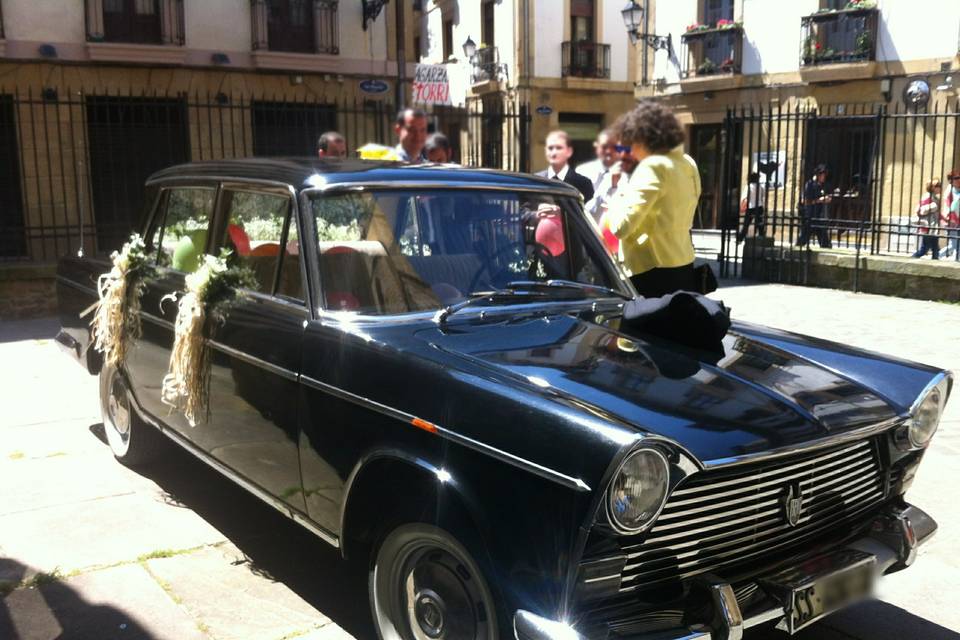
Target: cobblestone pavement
[(91, 549)]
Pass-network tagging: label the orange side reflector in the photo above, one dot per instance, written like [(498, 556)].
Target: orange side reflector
[(423, 424)]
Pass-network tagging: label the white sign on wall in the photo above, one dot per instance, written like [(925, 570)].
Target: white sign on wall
[(772, 167), (431, 85)]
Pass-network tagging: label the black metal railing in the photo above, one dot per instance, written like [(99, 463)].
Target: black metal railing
[(712, 51), (832, 36), (585, 59), (879, 162), (73, 163), (487, 65)]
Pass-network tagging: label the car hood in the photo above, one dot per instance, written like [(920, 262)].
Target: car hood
[(752, 397)]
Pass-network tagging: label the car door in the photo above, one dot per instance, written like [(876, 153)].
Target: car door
[(256, 348), (177, 236)]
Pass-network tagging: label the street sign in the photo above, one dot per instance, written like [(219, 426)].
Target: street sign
[(544, 110), (374, 86)]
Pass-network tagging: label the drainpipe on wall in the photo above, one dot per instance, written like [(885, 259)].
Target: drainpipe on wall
[(401, 57)]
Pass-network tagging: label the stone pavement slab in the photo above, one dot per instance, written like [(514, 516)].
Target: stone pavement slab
[(101, 531), (222, 590), (122, 603)]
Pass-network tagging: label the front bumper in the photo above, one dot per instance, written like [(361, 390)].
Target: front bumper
[(893, 539)]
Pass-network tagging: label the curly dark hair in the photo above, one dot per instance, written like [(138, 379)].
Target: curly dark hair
[(650, 124)]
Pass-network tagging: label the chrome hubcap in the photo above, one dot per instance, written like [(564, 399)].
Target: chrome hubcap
[(118, 407), (429, 611)]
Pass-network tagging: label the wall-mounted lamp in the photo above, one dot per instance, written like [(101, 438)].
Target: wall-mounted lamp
[(633, 20), (486, 64), (886, 89), (371, 9), (47, 51), (220, 58)]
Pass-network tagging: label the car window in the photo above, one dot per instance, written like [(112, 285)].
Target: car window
[(181, 235), (393, 252), (255, 237)]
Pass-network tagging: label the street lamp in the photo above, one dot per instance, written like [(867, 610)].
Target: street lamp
[(469, 48), (633, 19)]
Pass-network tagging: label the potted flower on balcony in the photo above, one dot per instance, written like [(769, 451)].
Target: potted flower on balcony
[(726, 66), (723, 23), (706, 68), (854, 5), (864, 42), (697, 26)]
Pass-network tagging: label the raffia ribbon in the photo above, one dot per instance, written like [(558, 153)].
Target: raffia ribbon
[(186, 386), (116, 316)]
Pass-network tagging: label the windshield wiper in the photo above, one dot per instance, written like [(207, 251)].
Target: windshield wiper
[(495, 296), (535, 285)]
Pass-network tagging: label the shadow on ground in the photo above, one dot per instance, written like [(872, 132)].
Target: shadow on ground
[(36, 329), (52, 609), (274, 546)]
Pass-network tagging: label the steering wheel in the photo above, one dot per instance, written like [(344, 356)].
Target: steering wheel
[(485, 267)]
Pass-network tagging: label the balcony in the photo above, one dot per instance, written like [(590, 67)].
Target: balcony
[(487, 66), (585, 59), (711, 55), (832, 37)]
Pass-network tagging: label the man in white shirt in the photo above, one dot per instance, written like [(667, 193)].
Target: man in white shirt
[(558, 152), (596, 170), (618, 173)]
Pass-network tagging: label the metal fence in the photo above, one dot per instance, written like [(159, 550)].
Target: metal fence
[(879, 163), (70, 159)]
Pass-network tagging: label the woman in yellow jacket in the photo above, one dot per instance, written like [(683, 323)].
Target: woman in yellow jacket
[(653, 213)]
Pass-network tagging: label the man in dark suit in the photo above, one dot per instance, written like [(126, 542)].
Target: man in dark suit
[(558, 151)]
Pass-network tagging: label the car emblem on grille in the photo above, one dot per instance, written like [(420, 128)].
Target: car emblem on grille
[(792, 503)]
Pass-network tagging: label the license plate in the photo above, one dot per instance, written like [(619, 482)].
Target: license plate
[(823, 585)]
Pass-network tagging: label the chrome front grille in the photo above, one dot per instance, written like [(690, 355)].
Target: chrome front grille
[(719, 518)]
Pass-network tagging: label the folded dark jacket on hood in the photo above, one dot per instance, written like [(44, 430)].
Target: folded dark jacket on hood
[(686, 318)]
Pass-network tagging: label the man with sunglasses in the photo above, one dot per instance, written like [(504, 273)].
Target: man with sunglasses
[(618, 173), (596, 170)]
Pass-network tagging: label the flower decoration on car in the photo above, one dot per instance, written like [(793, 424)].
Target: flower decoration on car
[(116, 316), (211, 289)]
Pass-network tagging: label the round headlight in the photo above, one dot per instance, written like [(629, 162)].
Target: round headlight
[(638, 491), (925, 420)]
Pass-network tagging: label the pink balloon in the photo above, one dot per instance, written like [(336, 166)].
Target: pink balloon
[(550, 234)]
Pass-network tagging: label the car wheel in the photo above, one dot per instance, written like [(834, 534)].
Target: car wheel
[(133, 441), (425, 585)]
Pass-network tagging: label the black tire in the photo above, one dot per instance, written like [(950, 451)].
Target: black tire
[(450, 595), (132, 441)]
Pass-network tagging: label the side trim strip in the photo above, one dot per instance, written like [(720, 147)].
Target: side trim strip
[(255, 361), (76, 285), (279, 505), (555, 476)]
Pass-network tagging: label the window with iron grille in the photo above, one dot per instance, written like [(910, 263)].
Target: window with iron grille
[(158, 22), (447, 39), (296, 26), (12, 242)]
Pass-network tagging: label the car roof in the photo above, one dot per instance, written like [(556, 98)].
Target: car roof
[(312, 172)]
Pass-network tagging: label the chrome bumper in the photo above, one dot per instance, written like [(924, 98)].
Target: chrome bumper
[(893, 539)]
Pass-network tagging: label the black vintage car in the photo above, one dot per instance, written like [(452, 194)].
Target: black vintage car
[(435, 373)]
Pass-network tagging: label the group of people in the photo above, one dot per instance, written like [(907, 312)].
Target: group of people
[(641, 190), (414, 145), (930, 215)]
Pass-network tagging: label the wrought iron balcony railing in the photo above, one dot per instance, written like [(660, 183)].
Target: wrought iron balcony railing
[(708, 51), (848, 35), (487, 66), (585, 59)]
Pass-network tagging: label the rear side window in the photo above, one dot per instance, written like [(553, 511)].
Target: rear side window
[(181, 236), (258, 238)]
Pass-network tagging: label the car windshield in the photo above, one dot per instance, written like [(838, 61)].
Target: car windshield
[(385, 252)]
